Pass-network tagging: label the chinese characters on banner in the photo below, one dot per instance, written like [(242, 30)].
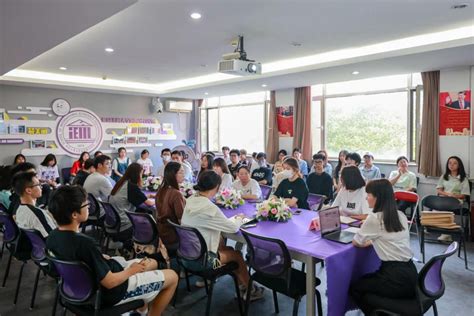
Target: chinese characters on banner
[(454, 113)]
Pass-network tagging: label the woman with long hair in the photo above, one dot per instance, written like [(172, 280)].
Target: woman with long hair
[(206, 163), (293, 189), (170, 203), (387, 230), (352, 198), (79, 164), (341, 161), (220, 167), (120, 164), (20, 158), (48, 171)]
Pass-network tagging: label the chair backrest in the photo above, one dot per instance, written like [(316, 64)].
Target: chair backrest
[(77, 284), (268, 255), (94, 207), (3, 208), (315, 201), (38, 244), (430, 279), (66, 175), (10, 229), (145, 231), (266, 191), (441, 203), (112, 218), (191, 244)]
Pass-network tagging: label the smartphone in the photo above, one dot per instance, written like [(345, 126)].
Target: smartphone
[(297, 212), (249, 225)]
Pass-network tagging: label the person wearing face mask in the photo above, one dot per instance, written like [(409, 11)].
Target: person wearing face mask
[(293, 189), (249, 188), (165, 157), (262, 174)]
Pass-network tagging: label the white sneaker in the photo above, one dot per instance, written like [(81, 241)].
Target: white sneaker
[(200, 283), (255, 294), (446, 238)]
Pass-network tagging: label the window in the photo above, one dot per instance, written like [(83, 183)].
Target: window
[(380, 115), (236, 121)]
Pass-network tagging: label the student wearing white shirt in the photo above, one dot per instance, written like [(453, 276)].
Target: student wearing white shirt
[(225, 152), (403, 180), (220, 167), (249, 188), (209, 220), (301, 162), (48, 171), (352, 198), (386, 229), (146, 162), (165, 157), (177, 156)]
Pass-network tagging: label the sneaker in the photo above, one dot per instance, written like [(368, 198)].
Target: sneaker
[(200, 283), (446, 238), (255, 294)]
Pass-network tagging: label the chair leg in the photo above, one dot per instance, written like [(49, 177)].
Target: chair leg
[(35, 287), (209, 299), (435, 309), (206, 286), (7, 271), (247, 297), (296, 305), (17, 291), (56, 299), (463, 244), (320, 304), (3, 248), (175, 296), (237, 291), (303, 266), (187, 280), (422, 243), (275, 302), (64, 311)]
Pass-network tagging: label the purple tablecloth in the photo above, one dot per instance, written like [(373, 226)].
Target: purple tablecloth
[(344, 262)]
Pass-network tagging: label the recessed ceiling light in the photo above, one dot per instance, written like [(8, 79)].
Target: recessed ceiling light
[(109, 50), (459, 6), (206, 93), (195, 15), (203, 65), (296, 44), (63, 68), (355, 72), (264, 85)]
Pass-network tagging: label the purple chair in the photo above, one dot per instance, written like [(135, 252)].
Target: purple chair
[(4, 210), (80, 292), (271, 261), (266, 191), (38, 256), (112, 225), (450, 204), (192, 256), (315, 201), (430, 287), (10, 237), (145, 231), (94, 214)]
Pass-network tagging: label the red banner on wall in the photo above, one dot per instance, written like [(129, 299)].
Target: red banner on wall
[(285, 120), (455, 113)]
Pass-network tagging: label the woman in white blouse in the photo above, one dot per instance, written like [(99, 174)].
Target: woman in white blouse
[(220, 167), (352, 198), (387, 230)]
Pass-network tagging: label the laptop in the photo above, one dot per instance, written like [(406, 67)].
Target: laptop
[(330, 222)]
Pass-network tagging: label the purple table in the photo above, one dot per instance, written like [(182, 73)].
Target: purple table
[(344, 263)]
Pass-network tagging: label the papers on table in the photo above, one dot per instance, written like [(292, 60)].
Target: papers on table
[(347, 220), (354, 230)]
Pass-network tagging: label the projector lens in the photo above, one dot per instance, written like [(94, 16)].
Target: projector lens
[(252, 68)]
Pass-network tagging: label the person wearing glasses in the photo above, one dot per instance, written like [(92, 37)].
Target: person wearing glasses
[(28, 216), (97, 183), (319, 181)]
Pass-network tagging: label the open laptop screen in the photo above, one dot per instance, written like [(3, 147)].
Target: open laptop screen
[(329, 220)]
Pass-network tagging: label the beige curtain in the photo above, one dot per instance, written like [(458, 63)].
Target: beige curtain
[(197, 124), (428, 151), (272, 131), (302, 122)]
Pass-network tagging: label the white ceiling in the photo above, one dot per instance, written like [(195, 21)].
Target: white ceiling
[(155, 41)]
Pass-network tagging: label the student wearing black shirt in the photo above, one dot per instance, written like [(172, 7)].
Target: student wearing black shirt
[(122, 281), (293, 189), (82, 174), (319, 181), (234, 162), (263, 174)]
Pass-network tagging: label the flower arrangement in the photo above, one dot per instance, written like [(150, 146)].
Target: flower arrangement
[(186, 189), (229, 198), (152, 183), (274, 210)]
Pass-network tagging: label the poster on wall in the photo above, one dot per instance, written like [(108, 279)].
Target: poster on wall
[(285, 120), (455, 113)]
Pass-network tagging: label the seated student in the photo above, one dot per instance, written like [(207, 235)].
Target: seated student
[(186, 162), (97, 154), (454, 183), (15, 198), (206, 163), (83, 173), (293, 189), (403, 180), (243, 158), (225, 153), (209, 220), (120, 164), (170, 203), (319, 181), (303, 165), (248, 187), (177, 156), (234, 162), (253, 162), (165, 157), (220, 167), (352, 198), (262, 174), (79, 164), (368, 170), (353, 159), (337, 171), (146, 162), (121, 281), (327, 165), (386, 229), (278, 166), (97, 183), (19, 159), (48, 171), (5, 186), (28, 216)]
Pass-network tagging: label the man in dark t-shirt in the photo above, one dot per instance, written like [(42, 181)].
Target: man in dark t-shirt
[(320, 182), (263, 174), (122, 281), (234, 162), (82, 174)]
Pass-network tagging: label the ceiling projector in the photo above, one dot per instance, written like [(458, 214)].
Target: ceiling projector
[(236, 63)]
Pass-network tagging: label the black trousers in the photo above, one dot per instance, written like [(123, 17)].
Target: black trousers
[(394, 279)]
